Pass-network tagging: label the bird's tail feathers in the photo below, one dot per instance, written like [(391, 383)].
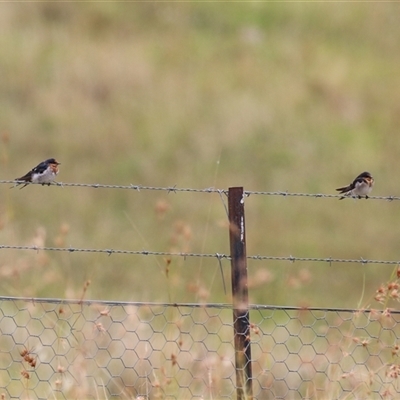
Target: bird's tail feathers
[(25, 180)]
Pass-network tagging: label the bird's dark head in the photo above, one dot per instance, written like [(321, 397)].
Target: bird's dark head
[(52, 161), (365, 175)]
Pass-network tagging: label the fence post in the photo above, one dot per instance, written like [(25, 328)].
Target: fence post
[(241, 323)]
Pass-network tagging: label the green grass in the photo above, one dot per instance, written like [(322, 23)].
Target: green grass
[(298, 97)]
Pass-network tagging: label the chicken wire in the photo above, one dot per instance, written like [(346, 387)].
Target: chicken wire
[(59, 349)]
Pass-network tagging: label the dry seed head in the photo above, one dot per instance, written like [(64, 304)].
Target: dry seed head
[(99, 327), (394, 371), (60, 369), (105, 312), (156, 383), (255, 329), (25, 374), (174, 359), (374, 313), (387, 393), (24, 352), (386, 312), (379, 298), (381, 289)]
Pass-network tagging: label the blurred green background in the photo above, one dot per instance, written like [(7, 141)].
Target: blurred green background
[(269, 96)]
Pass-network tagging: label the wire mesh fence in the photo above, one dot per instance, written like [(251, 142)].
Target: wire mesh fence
[(100, 350)]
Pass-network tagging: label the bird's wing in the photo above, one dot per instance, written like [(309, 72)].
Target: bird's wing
[(26, 177), (40, 168), (345, 189)]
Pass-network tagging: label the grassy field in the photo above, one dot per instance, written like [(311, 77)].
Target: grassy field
[(269, 96)]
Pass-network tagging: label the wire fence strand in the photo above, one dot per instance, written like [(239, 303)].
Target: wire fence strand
[(228, 306), (175, 189), (218, 256)]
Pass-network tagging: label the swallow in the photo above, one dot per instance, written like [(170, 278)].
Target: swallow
[(360, 187), (43, 173)]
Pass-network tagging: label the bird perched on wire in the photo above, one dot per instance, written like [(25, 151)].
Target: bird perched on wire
[(360, 187), (43, 173)]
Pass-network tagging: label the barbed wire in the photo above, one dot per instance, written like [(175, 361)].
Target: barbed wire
[(175, 189), (138, 188), (329, 260), (218, 256), (229, 306), (316, 195)]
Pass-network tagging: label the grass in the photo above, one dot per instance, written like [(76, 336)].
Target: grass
[(271, 97)]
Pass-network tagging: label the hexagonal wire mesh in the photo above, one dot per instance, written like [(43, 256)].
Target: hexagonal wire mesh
[(63, 349)]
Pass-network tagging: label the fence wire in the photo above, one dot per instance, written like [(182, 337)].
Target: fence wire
[(63, 349), (218, 256), (175, 189)]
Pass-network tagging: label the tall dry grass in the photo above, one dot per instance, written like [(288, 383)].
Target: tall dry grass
[(298, 97)]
